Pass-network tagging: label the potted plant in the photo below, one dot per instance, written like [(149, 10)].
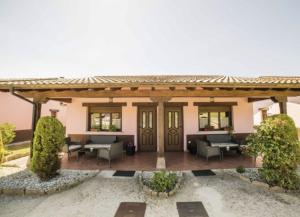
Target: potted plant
[(130, 149), (229, 129), (208, 128)]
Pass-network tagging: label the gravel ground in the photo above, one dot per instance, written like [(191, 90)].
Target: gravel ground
[(26, 179), (223, 195)]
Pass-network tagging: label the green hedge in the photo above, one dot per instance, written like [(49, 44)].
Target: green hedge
[(277, 141), (2, 150), (8, 133), (48, 142)]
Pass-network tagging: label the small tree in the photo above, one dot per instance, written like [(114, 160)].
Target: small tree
[(277, 141), (48, 142), (8, 133)]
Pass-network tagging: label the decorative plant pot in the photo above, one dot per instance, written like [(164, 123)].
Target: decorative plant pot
[(130, 150)]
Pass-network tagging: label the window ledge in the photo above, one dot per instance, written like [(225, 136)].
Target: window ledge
[(213, 132), (104, 132)]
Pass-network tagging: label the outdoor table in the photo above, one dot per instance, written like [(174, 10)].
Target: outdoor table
[(224, 145), (97, 147)]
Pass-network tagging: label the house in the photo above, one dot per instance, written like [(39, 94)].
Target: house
[(18, 112), (265, 108), (156, 113)]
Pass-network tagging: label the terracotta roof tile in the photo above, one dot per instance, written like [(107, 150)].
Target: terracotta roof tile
[(153, 80)]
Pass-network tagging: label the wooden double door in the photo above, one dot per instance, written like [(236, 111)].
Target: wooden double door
[(173, 129), (147, 128)]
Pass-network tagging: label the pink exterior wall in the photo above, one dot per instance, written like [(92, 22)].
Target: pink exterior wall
[(15, 111), (76, 116), (61, 107), (19, 113)]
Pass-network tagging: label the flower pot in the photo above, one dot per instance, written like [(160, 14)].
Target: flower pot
[(130, 150)]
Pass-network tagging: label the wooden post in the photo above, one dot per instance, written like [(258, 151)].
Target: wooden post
[(282, 100), (160, 128), (161, 161), (283, 107)]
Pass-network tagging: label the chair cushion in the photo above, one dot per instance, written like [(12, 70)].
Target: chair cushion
[(223, 138), (74, 147), (100, 139)]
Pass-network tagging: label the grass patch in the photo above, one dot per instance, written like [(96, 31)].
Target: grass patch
[(9, 165), (16, 151)]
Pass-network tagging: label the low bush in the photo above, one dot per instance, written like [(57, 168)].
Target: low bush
[(240, 169), (48, 142), (277, 141), (163, 181), (8, 133)]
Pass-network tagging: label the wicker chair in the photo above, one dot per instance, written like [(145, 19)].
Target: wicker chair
[(204, 150), (72, 147), (115, 151)]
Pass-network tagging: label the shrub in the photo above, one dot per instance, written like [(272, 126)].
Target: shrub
[(240, 169), (163, 181), (8, 133), (48, 142), (2, 151), (277, 141)]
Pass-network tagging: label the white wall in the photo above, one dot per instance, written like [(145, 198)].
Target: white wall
[(76, 116), (293, 110)]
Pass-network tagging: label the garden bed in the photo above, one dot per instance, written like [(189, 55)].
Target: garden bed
[(27, 183), (146, 177), (252, 176)]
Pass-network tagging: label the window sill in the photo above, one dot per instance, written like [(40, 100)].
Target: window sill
[(104, 132), (213, 132)]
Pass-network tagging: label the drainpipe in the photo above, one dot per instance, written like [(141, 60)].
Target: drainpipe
[(35, 114)]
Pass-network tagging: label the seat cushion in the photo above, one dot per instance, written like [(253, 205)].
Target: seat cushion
[(74, 147), (99, 139), (219, 138)]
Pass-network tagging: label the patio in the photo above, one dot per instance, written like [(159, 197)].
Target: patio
[(147, 161)]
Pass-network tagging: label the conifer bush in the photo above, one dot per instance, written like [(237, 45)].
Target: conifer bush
[(277, 141), (48, 142)]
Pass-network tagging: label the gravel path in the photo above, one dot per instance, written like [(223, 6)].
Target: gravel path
[(222, 195)]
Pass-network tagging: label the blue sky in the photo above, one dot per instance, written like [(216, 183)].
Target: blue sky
[(119, 37)]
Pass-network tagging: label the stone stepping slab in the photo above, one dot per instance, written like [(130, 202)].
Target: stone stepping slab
[(131, 209), (191, 209)]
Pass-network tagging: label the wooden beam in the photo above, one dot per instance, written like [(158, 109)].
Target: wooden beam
[(105, 104), (257, 99), (175, 103), (158, 93), (144, 104), (66, 100), (215, 103)]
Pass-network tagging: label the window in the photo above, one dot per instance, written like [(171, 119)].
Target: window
[(105, 119), (214, 117)]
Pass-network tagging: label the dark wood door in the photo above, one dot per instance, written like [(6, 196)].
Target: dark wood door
[(147, 128), (173, 129)]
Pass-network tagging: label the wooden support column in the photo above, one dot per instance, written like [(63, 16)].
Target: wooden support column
[(160, 128), (282, 100), (283, 107), (161, 162)]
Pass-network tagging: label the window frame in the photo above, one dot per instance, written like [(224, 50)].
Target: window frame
[(104, 110), (200, 110)]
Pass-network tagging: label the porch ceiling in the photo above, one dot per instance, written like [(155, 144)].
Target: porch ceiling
[(151, 86)]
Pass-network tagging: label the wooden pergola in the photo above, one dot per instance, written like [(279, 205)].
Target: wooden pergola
[(160, 89)]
